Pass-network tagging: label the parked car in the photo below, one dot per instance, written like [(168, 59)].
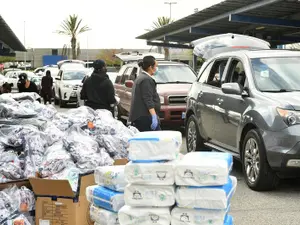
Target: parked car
[(67, 85), (13, 77), (173, 82), (247, 103), (37, 80)]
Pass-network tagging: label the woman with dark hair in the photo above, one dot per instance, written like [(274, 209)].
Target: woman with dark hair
[(145, 103)]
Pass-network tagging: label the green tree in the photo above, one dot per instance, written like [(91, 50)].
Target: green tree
[(161, 22), (4, 59), (72, 27), (108, 56)]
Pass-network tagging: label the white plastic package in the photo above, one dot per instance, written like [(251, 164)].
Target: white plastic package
[(203, 169), (144, 216), (103, 216), (213, 197), (111, 177), (105, 198), (181, 216), (155, 145), (156, 173), (153, 196)]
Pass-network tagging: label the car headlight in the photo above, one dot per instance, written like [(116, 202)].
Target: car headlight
[(162, 99), (68, 86), (290, 117)]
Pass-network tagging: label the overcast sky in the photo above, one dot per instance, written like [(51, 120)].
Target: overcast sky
[(114, 23)]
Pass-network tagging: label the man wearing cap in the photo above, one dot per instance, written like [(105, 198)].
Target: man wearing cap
[(25, 85), (98, 90)]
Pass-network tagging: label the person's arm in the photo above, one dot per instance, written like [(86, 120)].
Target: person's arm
[(83, 95), (147, 96), (110, 93), (34, 87)]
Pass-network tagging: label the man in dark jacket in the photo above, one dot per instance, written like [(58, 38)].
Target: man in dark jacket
[(98, 90), (47, 83), (25, 85)]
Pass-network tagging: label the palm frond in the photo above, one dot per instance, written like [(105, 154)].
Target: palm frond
[(160, 22)]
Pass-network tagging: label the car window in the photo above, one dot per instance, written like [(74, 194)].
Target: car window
[(216, 72), (133, 74), (177, 73), (236, 73), (276, 74), (74, 75), (126, 75), (204, 76)]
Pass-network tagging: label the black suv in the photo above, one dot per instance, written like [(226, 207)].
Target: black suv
[(248, 103)]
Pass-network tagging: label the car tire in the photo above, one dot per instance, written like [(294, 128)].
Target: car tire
[(194, 141), (258, 174), (62, 103)]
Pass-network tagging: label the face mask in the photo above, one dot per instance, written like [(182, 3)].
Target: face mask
[(156, 71)]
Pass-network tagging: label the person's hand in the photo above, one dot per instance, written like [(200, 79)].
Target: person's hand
[(154, 122)]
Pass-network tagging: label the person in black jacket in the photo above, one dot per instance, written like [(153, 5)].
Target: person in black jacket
[(145, 102), (25, 85), (6, 88), (98, 90), (47, 83)]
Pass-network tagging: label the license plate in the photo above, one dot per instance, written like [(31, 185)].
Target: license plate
[(183, 115)]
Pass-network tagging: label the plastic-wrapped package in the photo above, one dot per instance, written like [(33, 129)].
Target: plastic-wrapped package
[(46, 111), (149, 196), (15, 111), (214, 197), (84, 150), (181, 216), (53, 134), (203, 169), (156, 173), (17, 219), (228, 220), (155, 145), (32, 96), (105, 198), (27, 200), (81, 115), (7, 206), (10, 167), (144, 216), (115, 145), (61, 121), (55, 160), (71, 174), (36, 122), (111, 177), (103, 217)]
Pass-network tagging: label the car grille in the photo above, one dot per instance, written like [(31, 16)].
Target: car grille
[(175, 100)]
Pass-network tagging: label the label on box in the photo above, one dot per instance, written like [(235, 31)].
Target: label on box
[(44, 222)]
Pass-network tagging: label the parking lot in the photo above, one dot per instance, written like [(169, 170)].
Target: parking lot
[(262, 208)]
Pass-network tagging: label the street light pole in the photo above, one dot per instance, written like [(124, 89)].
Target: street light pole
[(170, 4), (25, 45)]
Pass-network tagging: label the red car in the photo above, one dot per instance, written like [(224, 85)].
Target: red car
[(173, 80)]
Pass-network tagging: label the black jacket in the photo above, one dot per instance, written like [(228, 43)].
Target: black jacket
[(32, 87), (144, 97), (98, 91)]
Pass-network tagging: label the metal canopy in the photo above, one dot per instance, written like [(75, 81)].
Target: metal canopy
[(277, 21), (9, 37)]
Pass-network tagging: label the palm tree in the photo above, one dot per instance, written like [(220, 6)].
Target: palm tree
[(160, 22), (71, 27)]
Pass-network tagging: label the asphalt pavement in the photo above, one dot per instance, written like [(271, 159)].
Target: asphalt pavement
[(279, 207)]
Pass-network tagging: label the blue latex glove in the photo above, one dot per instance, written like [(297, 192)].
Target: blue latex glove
[(154, 122)]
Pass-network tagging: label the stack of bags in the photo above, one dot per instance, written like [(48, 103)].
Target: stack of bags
[(204, 189), (107, 197), (150, 175)]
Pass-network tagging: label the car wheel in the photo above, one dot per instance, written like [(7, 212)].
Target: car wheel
[(62, 104), (257, 171), (194, 141), (56, 101)]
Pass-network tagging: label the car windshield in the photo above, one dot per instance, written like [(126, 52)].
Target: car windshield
[(277, 74), (72, 66), (74, 75), (174, 74)]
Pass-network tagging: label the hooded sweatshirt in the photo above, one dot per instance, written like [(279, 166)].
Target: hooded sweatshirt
[(98, 91)]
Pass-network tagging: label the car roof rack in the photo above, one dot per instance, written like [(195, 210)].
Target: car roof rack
[(135, 56)]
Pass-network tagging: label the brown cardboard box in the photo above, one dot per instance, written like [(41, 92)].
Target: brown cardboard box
[(18, 183), (57, 204)]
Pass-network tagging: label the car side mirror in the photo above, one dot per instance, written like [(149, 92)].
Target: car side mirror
[(232, 88), (129, 83), (57, 78)]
